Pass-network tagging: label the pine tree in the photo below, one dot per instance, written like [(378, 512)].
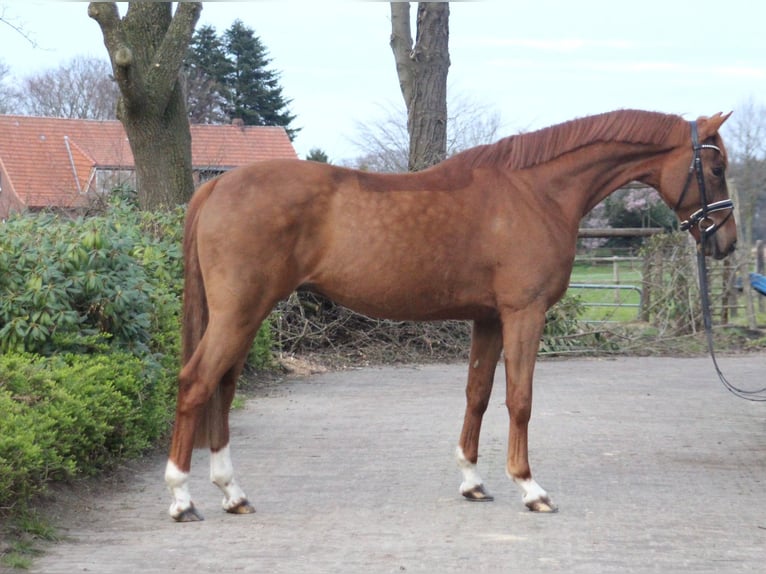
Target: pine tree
[(228, 77), (206, 70), (256, 95), (318, 155)]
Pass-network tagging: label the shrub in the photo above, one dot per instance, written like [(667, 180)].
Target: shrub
[(70, 415), (670, 284), (89, 331), (261, 355), (73, 284)]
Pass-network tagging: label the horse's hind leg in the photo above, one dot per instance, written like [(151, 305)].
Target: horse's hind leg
[(486, 344), (221, 468), (218, 359)]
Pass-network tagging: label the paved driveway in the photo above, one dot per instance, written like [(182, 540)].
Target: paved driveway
[(655, 468)]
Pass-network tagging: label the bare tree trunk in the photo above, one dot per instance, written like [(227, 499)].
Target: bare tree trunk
[(422, 71), (147, 48)]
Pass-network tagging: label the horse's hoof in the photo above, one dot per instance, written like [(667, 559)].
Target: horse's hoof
[(243, 507), (478, 494), (191, 514), (542, 505)]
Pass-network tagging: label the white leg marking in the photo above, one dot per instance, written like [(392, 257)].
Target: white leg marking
[(531, 491), (222, 475), (471, 477), (178, 483)]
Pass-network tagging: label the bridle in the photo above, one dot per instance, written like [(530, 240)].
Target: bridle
[(701, 217), (707, 227)]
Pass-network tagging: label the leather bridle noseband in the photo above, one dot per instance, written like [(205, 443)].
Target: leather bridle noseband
[(707, 227), (701, 217)]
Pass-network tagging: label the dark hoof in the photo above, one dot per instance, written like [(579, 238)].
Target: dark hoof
[(243, 507), (478, 494), (543, 505), (189, 515)]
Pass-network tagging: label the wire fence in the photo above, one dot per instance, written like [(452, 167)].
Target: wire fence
[(663, 278)]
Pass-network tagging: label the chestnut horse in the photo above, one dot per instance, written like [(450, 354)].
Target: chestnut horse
[(487, 235)]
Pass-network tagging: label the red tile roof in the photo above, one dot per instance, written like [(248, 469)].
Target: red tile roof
[(229, 146), (52, 161)]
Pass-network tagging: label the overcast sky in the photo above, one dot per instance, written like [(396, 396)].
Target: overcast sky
[(537, 62)]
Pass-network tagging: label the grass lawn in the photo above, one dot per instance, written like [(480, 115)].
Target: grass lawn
[(607, 304), (615, 305)]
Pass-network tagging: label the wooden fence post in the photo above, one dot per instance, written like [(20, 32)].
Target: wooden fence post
[(646, 287), (759, 270), (743, 266)]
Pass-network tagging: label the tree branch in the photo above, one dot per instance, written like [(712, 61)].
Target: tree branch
[(168, 59), (126, 73), (18, 29), (401, 45)]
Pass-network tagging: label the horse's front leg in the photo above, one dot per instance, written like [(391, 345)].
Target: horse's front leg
[(521, 339), (486, 344)]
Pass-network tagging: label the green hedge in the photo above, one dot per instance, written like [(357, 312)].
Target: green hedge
[(69, 415), (89, 331)]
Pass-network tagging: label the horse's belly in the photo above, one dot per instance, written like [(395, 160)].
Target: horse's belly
[(398, 296)]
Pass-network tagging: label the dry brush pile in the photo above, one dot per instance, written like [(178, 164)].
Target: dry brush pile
[(310, 324)]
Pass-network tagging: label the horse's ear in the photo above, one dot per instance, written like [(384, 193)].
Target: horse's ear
[(708, 127)]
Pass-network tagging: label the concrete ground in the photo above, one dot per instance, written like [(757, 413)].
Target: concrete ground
[(654, 467)]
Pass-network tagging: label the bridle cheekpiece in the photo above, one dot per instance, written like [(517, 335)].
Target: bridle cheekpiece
[(701, 217)]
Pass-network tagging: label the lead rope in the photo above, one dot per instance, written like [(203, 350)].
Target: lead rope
[(700, 218), (757, 395)]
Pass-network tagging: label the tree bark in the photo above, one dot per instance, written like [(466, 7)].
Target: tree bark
[(146, 49), (422, 69)]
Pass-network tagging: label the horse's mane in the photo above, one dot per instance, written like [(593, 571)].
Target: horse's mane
[(534, 148)]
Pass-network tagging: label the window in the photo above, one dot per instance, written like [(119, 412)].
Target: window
[(206, 174)]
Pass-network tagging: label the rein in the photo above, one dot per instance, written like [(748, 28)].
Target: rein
[(707, 228), (757, 395)]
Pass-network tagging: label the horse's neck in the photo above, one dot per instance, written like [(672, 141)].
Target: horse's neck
[(587, 176)]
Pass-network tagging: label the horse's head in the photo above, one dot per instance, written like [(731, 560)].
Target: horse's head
[(693, 183)]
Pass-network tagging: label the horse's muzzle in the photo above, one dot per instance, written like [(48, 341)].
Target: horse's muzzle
[(712, 247)]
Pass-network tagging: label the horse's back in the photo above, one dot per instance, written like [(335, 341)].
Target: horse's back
[(401, 246)]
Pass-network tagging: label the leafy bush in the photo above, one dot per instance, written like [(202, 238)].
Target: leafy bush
[(70, 415), (89, 331), (72, 284), (261, 355)]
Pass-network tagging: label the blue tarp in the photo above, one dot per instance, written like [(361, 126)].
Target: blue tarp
[(758, 282)]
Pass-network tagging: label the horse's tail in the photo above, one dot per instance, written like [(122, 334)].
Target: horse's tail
[(195, 313)]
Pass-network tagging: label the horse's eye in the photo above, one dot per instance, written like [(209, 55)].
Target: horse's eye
[(718, 171)]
